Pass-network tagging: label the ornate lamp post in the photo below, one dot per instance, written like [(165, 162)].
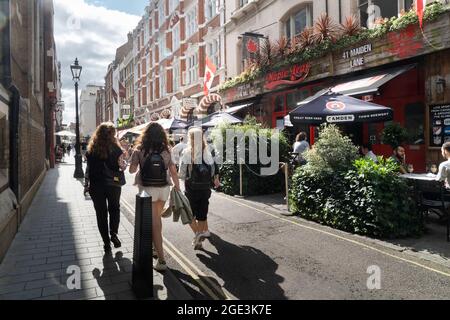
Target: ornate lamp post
[(76, 72)]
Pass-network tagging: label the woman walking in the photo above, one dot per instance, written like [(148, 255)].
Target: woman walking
[(153, 159), (104, 178), (198, 169)]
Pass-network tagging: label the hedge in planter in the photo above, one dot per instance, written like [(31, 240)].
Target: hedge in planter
[(253, 182), (366, 198)]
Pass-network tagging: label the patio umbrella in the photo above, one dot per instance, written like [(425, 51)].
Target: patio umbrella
[(172, 124), (216, 119), (138, 129), (334, 107), (65, 133)]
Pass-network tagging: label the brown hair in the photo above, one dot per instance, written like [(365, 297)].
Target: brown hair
[(446, 147), (153, 138), (103, 140), (301, 137)]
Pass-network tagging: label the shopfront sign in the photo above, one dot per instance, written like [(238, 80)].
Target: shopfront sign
[(295, 74), (341, 118), (189, 103), (356, 55), (439, 125)]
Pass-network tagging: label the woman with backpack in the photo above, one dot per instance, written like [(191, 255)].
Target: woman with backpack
[(104, 179), (153, 158), (198, 170)]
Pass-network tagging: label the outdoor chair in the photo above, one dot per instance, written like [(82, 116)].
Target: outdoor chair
[(433, 195)]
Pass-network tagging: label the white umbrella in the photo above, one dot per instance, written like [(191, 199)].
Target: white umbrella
[(65, 133)]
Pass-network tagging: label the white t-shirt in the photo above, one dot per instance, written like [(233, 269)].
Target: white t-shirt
[(444, 172), (371, 155), (300, 147), (177, 151)]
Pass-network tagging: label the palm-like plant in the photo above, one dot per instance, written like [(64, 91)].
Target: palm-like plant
[(266, 55), (351, 26), (281, 47), (305, 38), (325, 29), (295, 45)]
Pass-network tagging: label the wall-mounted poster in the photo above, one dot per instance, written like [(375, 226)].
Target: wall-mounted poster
[(439, 125)]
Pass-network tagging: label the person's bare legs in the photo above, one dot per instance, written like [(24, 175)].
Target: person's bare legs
[(202, 226), (194, 226), (157, 208)]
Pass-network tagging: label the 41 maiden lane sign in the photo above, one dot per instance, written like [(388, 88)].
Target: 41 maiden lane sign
[(356, 55)]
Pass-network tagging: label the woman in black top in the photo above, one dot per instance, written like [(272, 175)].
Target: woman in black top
[(104, 149)]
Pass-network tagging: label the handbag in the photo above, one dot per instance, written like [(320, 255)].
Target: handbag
[(113, 178)]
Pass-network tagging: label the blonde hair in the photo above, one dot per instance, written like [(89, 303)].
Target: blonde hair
[(103, 140), (193, 139)]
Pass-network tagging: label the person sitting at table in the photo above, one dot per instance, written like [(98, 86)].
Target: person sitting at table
[(399, 158), (366, 150), (444, 168)]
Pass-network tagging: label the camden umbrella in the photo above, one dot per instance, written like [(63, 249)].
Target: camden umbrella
[(334, 107), (216, 119)]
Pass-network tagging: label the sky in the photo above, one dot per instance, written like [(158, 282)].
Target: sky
[(91, 30)]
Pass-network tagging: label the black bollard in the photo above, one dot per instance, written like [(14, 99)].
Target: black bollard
[(142, 276)]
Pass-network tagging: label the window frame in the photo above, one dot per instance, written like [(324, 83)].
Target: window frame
[(191, 21), (290, 20)]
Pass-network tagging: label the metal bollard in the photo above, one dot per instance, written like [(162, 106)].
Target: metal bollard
[(142, 276)]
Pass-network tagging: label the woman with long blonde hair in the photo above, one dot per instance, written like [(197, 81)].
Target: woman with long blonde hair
[(105, 160), (198, 170), (153, 158)]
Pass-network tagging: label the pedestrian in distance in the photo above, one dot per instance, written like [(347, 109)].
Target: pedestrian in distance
[(198, 170), (153, 159), (177, 151), (69, 149), (104, 179), (300, 147)]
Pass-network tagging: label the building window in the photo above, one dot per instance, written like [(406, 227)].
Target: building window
[(414, 123), (408, 4), (298, 21), (371, 10), (191, 22), (191, 69), (176, 37), (162, 82), (162, 46), (211, 9), (213, 50), (173, 4), (161, 13), (242, 3), (176, 75)]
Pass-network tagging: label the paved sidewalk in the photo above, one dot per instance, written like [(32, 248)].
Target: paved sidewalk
[(59, 231)]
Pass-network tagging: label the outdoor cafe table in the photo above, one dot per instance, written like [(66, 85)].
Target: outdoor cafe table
[(419, 176)]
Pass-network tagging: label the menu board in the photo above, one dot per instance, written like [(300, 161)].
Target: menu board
[(439, 125)]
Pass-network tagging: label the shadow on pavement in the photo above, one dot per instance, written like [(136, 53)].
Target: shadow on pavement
[(114, 267), (247, 272), (193, 287)]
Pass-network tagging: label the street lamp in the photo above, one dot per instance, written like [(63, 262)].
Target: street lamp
[(76, 72)]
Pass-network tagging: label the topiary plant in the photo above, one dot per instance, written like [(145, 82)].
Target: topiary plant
[(394, 134)]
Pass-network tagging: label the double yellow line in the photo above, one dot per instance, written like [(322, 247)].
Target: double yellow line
[(203, 281)]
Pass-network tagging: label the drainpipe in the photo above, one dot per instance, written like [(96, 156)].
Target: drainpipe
[(340, 11), (326, 6)]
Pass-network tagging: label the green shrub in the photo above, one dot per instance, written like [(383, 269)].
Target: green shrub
[(354, 195), (332, 152), (394, 134), (253, 182)]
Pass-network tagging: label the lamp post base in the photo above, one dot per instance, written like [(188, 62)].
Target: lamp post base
[(78, 174)]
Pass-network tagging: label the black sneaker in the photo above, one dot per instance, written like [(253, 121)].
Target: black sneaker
[(116, 242)]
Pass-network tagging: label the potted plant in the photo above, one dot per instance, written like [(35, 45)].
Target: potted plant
[(394, 135)]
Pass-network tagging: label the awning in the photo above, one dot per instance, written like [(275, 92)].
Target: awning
[(238, 108), (365, 84)]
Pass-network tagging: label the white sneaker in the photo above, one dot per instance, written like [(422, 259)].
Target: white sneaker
[(160, 266), (206, 234), (198, 242)]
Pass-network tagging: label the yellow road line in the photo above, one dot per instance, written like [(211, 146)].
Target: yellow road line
[(192, 274), (338, 237), (197, 270), (195, 276)]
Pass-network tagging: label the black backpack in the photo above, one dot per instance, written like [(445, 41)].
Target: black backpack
[(200, 177), (154, 171)]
